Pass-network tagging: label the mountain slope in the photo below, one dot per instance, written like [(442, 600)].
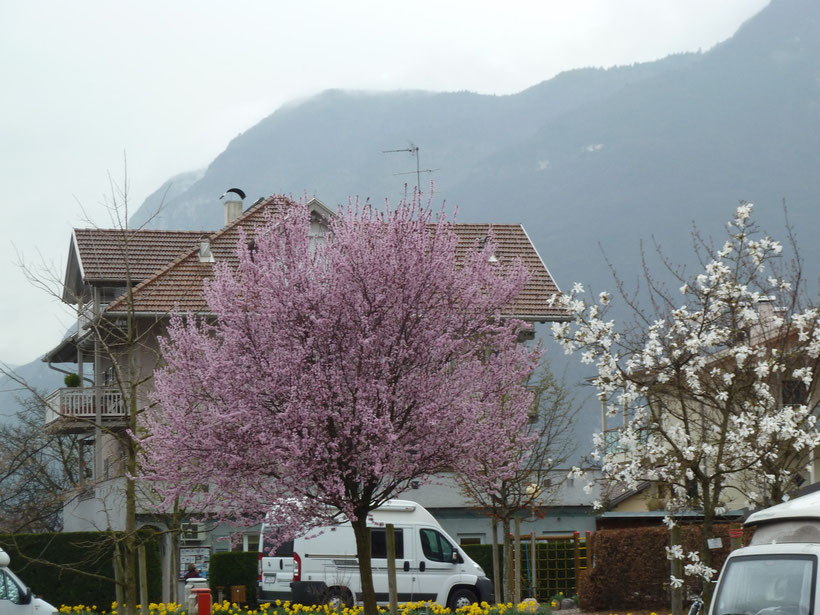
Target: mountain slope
[(592, 157), (331, 145)]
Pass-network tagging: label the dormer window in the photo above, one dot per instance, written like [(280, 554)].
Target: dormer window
[(205, 254), (793, 392), (482, 243)]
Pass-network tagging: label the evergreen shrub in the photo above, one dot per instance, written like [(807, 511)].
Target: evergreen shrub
[(234, 568), (49, 563)]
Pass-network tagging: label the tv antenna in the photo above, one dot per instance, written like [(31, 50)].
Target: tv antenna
[(413, 150)]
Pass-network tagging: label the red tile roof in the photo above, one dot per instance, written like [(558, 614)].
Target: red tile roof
[(513, 242), (109, 254), (179, 284)]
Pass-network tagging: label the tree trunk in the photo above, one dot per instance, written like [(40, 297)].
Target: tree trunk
[(677, 572), (705, 552), (131, 587), (517, 577), (130, 542), (496, 564), (508, 581), (710, 498), (362, 534), (391, 568)]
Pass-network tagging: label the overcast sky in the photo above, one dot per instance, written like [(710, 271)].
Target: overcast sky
[(170, 83)]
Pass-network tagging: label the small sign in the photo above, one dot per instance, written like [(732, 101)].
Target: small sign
[(198, 556), (715, 543)]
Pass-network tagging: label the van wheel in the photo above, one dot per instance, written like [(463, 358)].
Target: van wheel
[(461, 598), (337, 598)]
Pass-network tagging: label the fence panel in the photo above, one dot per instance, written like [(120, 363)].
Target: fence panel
[(555, 568)]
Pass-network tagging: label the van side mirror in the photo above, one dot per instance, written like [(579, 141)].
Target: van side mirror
[(457, 558), (25, 596)]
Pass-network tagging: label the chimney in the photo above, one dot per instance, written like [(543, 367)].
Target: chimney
[(765, 309), (233, 204), (766, 312)]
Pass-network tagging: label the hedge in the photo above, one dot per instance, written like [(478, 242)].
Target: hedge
[(50, 576), (483, 556), (234, 568), (631, 570)]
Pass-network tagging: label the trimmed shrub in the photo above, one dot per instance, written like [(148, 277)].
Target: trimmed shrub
[(52, 565), (72, 380), (483, 556), (234, 568), (631, 570)]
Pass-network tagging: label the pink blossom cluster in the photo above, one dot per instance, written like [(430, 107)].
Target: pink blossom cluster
[(334, 370)]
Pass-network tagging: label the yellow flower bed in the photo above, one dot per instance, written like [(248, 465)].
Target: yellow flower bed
[(287, 608)]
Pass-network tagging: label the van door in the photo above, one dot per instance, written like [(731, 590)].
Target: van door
[(15, 598), (404, 564), (438, 562), (276, 570)]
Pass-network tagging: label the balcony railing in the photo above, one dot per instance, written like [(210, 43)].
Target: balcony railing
[(85, 314), (78, 405)]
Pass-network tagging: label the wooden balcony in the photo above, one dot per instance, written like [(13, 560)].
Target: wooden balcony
[(74, 410)]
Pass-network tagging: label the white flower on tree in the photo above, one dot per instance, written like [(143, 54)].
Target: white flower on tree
[(717, 389)]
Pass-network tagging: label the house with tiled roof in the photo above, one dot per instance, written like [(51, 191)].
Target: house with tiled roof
[(125, 283)]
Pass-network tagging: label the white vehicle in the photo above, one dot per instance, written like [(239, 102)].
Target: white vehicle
[(275, 568), (777, 574), (15, 597), (429, 564)]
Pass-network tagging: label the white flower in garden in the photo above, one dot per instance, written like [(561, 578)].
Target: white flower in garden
[(675, 582)]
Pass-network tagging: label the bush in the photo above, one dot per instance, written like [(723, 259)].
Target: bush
[(631, 570), (483, 556), (45, 562), (235, 568), (72, 380)]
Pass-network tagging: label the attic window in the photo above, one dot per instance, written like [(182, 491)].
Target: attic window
[(482, 243), (793, 393), (252, 249), (205, 254)]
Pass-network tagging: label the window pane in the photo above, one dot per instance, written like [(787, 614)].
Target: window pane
[(436, 548), (378, 542)]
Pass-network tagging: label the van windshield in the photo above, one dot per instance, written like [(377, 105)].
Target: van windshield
[(11, 588), (767, 585)]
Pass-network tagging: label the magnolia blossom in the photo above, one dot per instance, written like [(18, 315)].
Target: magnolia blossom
[(702, 384)]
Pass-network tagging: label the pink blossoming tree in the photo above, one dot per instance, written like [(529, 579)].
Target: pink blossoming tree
[(335, 372)]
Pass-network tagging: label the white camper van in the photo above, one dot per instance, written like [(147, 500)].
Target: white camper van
[(429, 564), (15, 597), (777, 574), (275, 568)]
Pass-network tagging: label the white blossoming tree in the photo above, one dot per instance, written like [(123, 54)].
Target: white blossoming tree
[(717, 386)]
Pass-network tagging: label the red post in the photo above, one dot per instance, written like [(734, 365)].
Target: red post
[(203, 600)]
